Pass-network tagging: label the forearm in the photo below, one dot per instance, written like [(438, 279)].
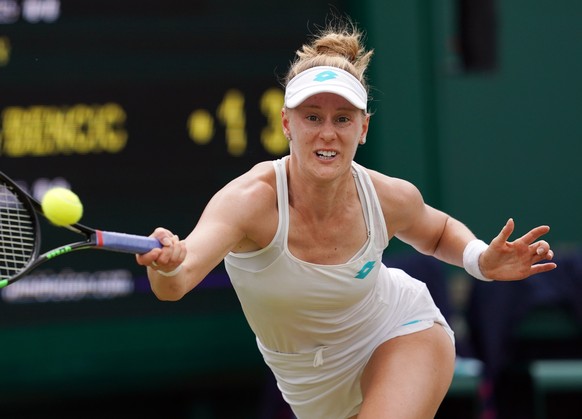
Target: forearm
[(172, 285), (459, 246), (452, 242)]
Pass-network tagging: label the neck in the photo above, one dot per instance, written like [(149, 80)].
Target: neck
[(321, 199)]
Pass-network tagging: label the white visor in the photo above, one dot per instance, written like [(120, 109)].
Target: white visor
[(325, 80)]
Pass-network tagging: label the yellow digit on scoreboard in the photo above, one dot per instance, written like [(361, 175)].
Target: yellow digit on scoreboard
[(232, 114), (272, 136)]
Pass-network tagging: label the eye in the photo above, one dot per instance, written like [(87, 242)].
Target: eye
[(312, 118), (343, 119)]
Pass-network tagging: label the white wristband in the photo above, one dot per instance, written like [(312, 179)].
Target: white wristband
[(471, 258), (171, 273)]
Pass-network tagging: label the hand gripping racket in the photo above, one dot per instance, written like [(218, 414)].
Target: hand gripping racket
[(20, 237)]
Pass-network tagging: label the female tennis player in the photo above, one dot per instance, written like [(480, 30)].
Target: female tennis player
[(302, 239)]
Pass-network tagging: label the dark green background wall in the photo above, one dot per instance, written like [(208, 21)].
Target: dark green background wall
[(482, 146)]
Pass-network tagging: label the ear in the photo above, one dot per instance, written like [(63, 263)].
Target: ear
[(365, 126), (285, 124)]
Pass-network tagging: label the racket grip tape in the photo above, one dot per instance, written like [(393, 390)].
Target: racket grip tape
[(126, 243)]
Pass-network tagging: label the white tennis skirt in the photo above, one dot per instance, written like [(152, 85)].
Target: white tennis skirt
[(325, 383)]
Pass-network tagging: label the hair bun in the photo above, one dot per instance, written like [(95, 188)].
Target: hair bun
[(339, 44)]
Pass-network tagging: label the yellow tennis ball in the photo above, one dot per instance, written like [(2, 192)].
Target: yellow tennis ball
[(62, 206)]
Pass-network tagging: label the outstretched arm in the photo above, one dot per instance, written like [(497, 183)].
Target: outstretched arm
[(435, 233), (242, 216)]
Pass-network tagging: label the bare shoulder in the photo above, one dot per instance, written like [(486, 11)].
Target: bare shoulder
[(400, 200), (394, 191), (248, 204), (257, 186)]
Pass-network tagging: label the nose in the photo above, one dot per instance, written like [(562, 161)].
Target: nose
[(327, 132)]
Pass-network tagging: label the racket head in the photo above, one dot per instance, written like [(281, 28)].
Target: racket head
[(19, 231)]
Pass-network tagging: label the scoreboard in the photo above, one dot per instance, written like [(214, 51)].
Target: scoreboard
[(145, 109)]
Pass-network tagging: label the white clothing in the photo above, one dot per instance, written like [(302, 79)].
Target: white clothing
[(317, 325)]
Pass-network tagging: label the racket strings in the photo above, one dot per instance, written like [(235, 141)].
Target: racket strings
[(17, 234)]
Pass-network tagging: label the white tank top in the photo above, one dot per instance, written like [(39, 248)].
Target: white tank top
[(294, 306)]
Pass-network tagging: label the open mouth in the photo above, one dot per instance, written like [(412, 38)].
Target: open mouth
[(325, 154)]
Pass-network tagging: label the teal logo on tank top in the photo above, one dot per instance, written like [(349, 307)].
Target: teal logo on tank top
[(325, 75), (365, 270)]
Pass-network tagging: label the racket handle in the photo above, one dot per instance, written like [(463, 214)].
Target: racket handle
[(126, 243)]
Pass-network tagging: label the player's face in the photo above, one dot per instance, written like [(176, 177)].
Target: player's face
[(325, 131)]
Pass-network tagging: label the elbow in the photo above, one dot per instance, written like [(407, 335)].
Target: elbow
[(167, 292), (433, 248), (167, 296), (173, 287)]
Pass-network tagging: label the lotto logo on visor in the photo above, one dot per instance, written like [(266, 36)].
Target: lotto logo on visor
[(326, 75), (325, 80)]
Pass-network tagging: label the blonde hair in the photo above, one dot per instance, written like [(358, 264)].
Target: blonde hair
[(339, 44)]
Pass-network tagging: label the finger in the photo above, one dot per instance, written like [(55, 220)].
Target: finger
[(535, 234), (505, 232), (170, 252), (543, 251), (139, 259), (176, 250), (146, 259), (164, 238), (172, 258), (162, 235), (175, 242), (541, 248), (542, 267)]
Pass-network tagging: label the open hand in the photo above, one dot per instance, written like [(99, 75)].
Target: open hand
[(519, 259)]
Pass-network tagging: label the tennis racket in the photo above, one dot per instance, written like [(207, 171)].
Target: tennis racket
[(20, 238)]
